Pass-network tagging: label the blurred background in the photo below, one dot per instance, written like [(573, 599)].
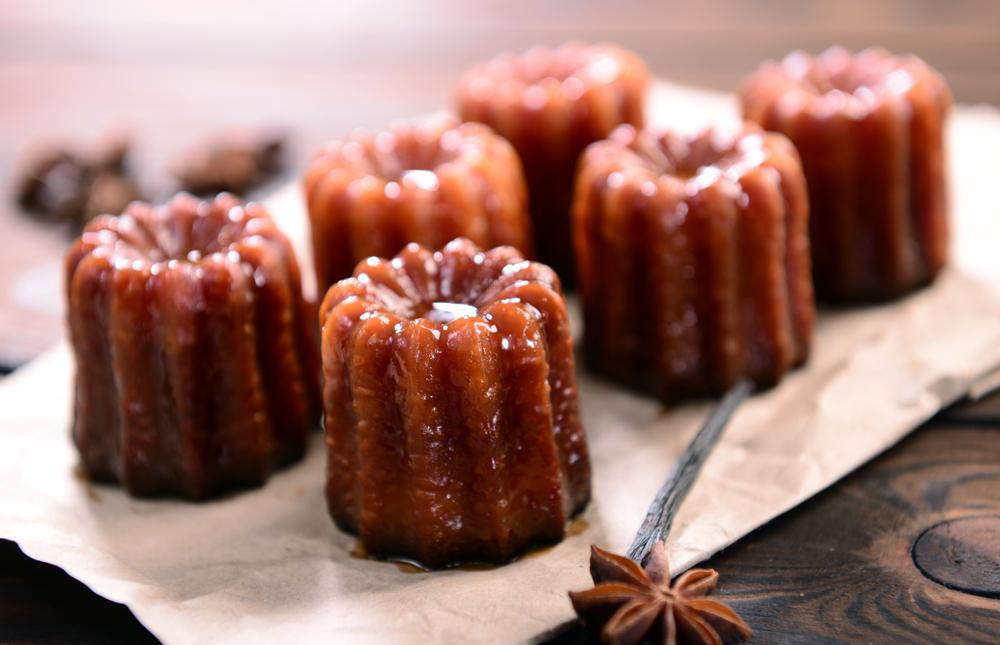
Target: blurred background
[(170, 75)]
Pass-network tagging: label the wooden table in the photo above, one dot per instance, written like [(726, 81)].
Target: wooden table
[(904, 549)]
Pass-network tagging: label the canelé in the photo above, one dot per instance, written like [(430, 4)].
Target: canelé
[(452, 422), (197, 362), (371, 194), (870, 130), (693, 258), (552, 103)]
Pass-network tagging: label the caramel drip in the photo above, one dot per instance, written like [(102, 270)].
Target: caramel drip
[(343, 487), (386, 493), (473, 353), (180, 306), (534, 478)]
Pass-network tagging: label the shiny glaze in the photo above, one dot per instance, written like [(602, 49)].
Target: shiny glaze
[(197, 368), (870, 131), (371, 194), (693, 259), (451, 441), (552, 103)]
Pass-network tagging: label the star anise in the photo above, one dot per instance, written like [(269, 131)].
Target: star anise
[(65, 185), (637, 605), (236, 162)]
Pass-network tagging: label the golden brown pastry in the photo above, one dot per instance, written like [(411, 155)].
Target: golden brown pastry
[(552, 103), (452, 421), (371, 194), (693, 257), (870, 130), (197, 366)]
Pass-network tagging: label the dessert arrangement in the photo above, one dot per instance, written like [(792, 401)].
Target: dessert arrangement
[(450, 408)]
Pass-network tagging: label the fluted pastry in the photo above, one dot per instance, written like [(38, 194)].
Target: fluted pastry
[(552, 103), (451, 412), (371, 194), (870, 131), (197, 365), (693, 257)]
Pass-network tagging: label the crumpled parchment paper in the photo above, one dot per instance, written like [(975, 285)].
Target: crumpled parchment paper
[(268, 565)]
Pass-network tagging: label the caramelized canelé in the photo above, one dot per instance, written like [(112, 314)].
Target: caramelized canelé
[(870, 130), (693, 258), (371, 194), (552, 103), (197, 366), (452, 422)]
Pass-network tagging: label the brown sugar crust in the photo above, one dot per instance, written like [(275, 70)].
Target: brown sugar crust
[(371, 194), (453, 429), (197, 363), (552, 103), (693, 258), (870, 130)]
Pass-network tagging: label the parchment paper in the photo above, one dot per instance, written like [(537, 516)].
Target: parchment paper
[(268, 565)]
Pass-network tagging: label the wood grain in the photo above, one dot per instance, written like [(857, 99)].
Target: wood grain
[(962, 553), (862, 580), (840, 568)]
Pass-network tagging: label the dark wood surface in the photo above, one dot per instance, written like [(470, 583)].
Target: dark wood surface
[(839, 568)]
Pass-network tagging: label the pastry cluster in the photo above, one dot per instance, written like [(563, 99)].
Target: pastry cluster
[(451, 412)]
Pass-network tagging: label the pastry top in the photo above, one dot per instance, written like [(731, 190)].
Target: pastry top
[(836, 81), (185, 231), (434, 289), (556, 79), (684, 163), (409, 159)]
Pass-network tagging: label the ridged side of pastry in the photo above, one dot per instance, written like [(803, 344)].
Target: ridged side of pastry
[(870, 131), (550, 104), (693, 264), (194, 374), (451, 441), (371, 194)]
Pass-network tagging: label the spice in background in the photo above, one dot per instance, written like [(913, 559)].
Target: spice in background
[(236, 162), (64, 185)]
